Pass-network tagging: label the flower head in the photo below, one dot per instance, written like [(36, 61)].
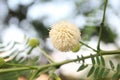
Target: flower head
[(64, 36)]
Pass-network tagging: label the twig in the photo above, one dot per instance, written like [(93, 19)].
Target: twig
[(101, 25), (43, 67), (87, 46), (46, 55)]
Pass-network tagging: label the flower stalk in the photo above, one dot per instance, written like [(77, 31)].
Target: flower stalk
[(46, 55)]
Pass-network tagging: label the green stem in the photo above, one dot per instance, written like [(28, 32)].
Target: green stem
[(46, 55), (74, 60), (49, 59), (30, 50), (101, 26), (15, 69), (87, 46), (34, 74), (20, 65), (57, 65), (106, 2), (38, 72)]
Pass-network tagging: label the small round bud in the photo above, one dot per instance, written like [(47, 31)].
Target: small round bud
[(58, 78), (76, 48), (2, 62), (33, 42)]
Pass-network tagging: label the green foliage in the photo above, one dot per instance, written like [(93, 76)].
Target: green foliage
[(118, 67), (98, 68), (9, 76), (89, 31), (105, 73), (98, 60), (78, 58), (82, 58), (92, 59), (111, 35), (13, 75), (91, 71), (96, 76), (115, 76), (15, 62), (41, 29), (82, 67), (55, 76), (102, 69), (111, 65), (102, 60), (116, 70)]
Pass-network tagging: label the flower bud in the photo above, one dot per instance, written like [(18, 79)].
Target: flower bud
[(76, 48), (58, 78), (33, 42), (2, 62)]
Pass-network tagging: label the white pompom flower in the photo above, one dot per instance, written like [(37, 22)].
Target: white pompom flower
[(64, 36)]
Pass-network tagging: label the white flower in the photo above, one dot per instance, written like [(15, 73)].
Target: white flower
[(64, 36)]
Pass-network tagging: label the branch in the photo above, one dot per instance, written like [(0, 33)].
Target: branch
[(74, 60), (101, 25), (16, 69), (46, 55), (87, 46), (57, 65)]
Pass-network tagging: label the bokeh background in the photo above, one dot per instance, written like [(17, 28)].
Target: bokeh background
[(33, 18)]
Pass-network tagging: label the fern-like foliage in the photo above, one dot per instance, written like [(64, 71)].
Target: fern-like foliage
[(10, 52), (98, 69)]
